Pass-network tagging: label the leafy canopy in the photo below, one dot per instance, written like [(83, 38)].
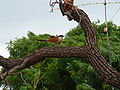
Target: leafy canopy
[(64, 73)]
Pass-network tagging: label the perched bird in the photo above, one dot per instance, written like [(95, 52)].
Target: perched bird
[(54, 39), (68, 7)]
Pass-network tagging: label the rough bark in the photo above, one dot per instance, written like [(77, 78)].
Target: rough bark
[(90, 52)]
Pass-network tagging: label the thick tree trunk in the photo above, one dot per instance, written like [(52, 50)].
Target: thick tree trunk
[(89, 52)]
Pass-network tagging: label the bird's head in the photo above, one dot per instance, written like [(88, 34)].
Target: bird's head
[(60, 36)]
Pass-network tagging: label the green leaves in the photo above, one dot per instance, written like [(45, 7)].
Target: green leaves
[(67, 73), (84, 86)]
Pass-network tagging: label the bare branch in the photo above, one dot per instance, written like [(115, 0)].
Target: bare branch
[(41, 54), (52, 4), (8, 84), (21, 75)]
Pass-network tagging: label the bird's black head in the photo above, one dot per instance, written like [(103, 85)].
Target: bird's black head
[(60, 36)]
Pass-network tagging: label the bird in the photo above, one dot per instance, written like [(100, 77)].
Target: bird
[(68, 7), (54, 39)]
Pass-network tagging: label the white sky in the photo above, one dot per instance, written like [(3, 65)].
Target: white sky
[(17, 17)]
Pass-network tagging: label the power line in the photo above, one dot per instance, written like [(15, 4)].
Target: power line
[(84, 4)]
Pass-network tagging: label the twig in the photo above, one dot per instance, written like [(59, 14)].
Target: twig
[(52, 4), (8, 84), (3, 75), (15, 73), (21, 75)]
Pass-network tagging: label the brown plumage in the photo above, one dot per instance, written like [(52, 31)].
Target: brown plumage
[(54, 39), (68, 5)]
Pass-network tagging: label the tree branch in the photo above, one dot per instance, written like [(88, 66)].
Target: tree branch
[(108, 73)]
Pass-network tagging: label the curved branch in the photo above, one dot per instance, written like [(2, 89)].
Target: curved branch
[(58, 52), (108, 73), (41, 54)]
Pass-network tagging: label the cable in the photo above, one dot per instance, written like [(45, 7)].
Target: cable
[(84, 4)]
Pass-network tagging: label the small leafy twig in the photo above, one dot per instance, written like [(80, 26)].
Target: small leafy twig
[(21, 76), (52, 4), (7, 83)]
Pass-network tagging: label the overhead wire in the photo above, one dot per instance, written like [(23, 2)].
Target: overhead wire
[(84, 4)]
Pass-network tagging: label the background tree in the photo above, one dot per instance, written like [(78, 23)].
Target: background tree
[(67, 73)]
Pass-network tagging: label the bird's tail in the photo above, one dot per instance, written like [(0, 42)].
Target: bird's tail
[(41, 40)]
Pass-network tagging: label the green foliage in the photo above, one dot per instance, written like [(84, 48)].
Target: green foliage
[(67, 73), (74, 37), (24, 46), (84, 86)]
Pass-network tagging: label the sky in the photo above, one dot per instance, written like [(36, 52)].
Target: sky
[(17, 17)]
